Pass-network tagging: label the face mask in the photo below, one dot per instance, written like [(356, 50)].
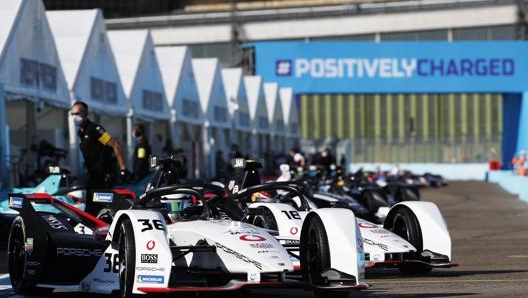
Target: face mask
[(78, 120)]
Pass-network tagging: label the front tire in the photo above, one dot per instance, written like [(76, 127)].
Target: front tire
[(17, 261), (315, 257), (127, 258), (405, 224), (314, 251)]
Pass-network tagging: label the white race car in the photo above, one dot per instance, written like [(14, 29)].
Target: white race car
[(198, 249), (171, 240), (414, 236)]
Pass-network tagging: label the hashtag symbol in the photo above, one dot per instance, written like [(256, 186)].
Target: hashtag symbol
[(283, 68)]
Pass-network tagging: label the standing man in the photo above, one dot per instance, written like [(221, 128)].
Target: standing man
[(98, 149), (142, 152), (327, 159), (297, 157)]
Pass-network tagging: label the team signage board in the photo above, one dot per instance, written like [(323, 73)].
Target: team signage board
[(394, 67)]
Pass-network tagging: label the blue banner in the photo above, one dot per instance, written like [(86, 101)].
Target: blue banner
[(394, 67)]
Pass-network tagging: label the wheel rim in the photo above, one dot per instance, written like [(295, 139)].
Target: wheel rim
[(258, 221), (400, 228), (265, 220), (17, 257)]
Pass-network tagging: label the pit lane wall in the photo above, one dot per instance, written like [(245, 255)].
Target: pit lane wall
[(509, 181), (450, 171), (463, 171)]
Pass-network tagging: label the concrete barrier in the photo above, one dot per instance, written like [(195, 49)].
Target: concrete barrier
[(510, 182), (450, 171)]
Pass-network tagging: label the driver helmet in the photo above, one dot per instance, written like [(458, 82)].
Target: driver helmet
[(264, 196), (175, 204)]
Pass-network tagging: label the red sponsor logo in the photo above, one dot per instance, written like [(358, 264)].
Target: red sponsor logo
[(367, 225), (252, 238), (294, 230), (151, 244)]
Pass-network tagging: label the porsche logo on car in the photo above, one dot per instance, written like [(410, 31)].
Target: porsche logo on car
[(79, 252)]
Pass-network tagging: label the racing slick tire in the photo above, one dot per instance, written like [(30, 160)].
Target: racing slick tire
[(17, 261), (405, 224), (407, 194), (373, 200), (315, 257), (127, 258), (264, 218)]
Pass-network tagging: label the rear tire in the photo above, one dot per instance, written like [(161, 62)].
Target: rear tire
[(17, 261), (127, 258), (408, 194), (405, 224), (264, 218), (373, 201)]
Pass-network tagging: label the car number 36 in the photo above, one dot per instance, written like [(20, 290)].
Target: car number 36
[(112, 263)]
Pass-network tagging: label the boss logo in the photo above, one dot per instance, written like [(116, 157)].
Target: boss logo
[(149, 258)]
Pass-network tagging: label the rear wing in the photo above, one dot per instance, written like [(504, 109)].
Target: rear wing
[(245, 174), (50, 184), (21, 201), (30, 206)]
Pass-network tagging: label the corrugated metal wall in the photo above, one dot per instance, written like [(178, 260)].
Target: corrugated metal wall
[(406, 127), (225, 52)]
